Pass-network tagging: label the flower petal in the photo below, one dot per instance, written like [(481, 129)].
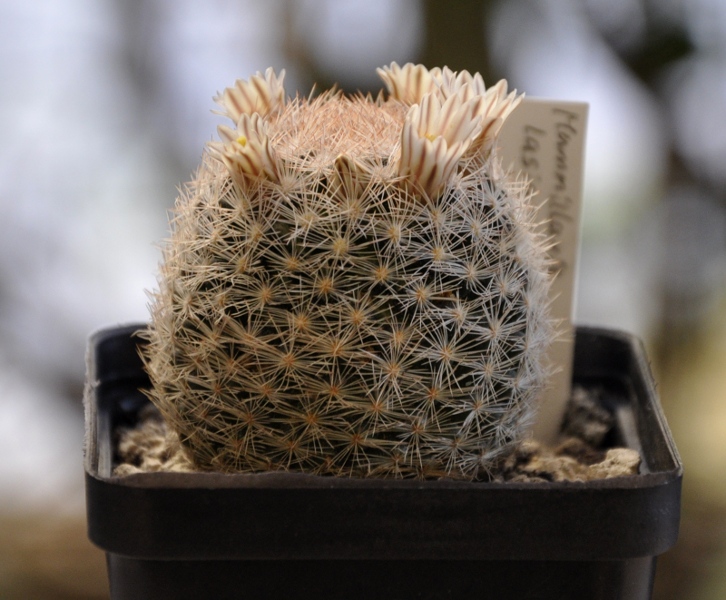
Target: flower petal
[(434, 138), (246, 151), (262, 94), (409, 83)]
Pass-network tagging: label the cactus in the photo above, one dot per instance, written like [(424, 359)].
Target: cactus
[(353, 286)]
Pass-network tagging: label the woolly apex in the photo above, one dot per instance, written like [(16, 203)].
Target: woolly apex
[(442, 120)]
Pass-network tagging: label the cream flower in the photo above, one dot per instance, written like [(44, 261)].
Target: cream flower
[(409, 83), (262, 94), (464, 83), (435, 137), (496, 106), (246, 151), (493, 108)]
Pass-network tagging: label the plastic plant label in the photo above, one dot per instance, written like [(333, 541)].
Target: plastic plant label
[(545, 140)]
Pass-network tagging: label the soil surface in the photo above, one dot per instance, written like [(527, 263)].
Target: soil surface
[(580, 454)]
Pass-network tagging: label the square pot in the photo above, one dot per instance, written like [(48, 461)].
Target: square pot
[(282, 535)]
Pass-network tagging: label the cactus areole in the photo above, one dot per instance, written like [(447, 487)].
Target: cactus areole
[(353, 286)]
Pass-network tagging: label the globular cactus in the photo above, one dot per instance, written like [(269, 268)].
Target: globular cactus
[(353, 286)]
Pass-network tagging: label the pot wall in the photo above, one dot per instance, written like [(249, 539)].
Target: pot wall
[(178, 535)]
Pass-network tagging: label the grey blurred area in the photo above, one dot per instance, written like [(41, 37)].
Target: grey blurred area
[(105, 106)]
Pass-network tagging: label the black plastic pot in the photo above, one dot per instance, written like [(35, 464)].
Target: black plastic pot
[(208, 535)]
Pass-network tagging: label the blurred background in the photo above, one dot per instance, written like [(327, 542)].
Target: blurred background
[(105, 106)]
